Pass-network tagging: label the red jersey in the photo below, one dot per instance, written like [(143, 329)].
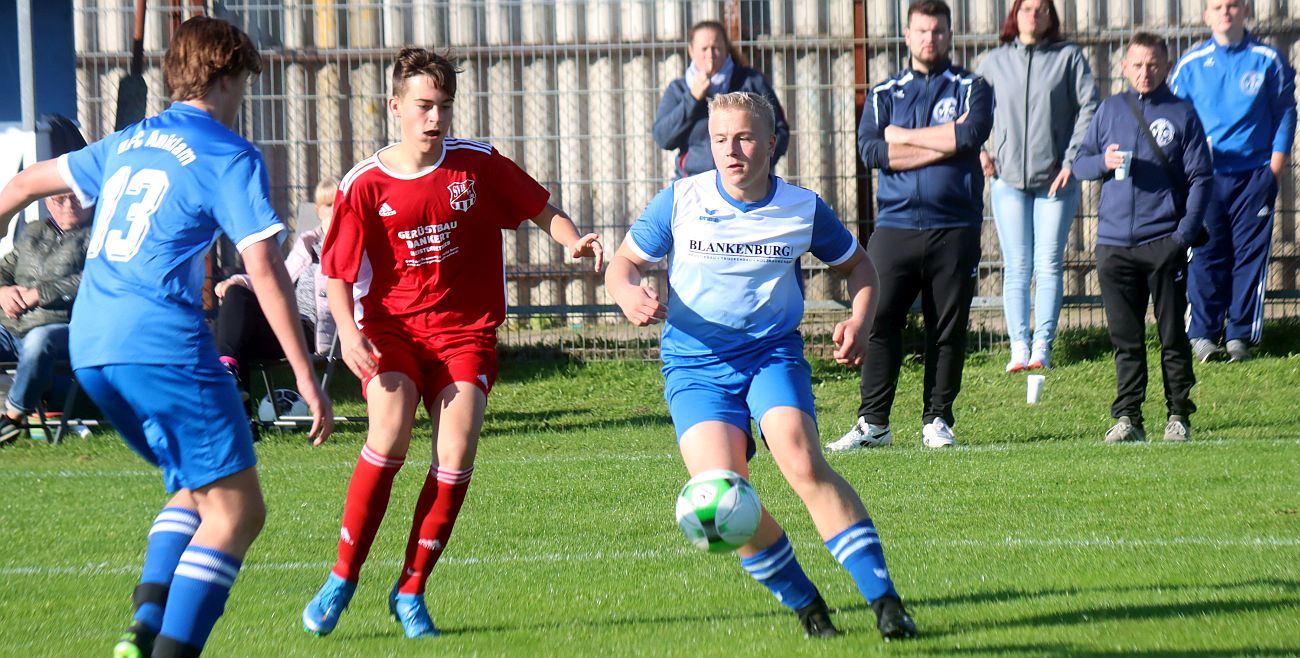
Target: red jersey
[(425, 248)]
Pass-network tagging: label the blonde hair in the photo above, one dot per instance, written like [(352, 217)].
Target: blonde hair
[(325, 191), (756, 105)]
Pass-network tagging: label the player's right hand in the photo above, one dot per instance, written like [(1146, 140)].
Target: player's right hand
[(643, 308), (322, 410), (360, 355)]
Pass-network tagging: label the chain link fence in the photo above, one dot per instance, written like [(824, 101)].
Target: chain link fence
[(569, 90)]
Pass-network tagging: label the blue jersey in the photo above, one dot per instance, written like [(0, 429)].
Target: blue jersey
[(733, 272), (1244, 94), (163, 189)]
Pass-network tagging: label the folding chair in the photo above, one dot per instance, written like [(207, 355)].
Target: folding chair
[(281, 419), (66, 420)]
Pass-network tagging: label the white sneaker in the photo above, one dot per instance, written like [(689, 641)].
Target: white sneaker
[(1041, 356), (1019, 356), (937, 434), (863, 435)]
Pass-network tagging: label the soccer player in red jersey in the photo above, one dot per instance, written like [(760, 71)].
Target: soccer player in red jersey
[(417, 287)]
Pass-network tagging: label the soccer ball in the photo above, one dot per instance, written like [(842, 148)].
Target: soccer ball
[(718, 511), (287, 400)]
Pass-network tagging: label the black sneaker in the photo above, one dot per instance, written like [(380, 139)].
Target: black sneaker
[(892, 620), (816, 620), (10, 429), (136, 642)]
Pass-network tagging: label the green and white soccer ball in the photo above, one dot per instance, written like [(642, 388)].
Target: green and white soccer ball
[(718, 511)]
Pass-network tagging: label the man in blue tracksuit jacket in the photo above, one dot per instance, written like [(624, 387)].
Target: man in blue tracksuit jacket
[(1244, 92), (1145, 223), (922, 129)]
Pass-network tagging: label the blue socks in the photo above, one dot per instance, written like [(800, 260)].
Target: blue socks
[(168, 538), (198, 595), (778, 570), (858, 549)]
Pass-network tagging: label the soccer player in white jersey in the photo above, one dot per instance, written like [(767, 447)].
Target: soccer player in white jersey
[(732, 350), (140, 346)]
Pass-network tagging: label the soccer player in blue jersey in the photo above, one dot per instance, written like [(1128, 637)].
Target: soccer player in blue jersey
[(1244, 92), (162, 189), (732, 350)]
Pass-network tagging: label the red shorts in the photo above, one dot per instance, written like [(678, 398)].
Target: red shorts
[(434, 362)]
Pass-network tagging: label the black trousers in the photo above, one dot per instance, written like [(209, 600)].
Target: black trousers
[(244, 333), (1128, 277), (942, 265)]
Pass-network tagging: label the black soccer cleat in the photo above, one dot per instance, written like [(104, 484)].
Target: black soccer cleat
[(816, 619), (892, 620), (136, 642)]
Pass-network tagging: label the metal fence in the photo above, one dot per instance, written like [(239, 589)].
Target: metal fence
[(569, 90)]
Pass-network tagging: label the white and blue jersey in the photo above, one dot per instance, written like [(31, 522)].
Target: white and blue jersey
[(162, 190), (1244, 94), (733, 270)]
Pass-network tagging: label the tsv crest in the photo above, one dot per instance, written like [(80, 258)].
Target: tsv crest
[(462, 195), (945, 111)]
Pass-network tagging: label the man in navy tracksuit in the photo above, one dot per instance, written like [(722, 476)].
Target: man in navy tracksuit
[(1146, 222), (1244, 92), (923, 129)]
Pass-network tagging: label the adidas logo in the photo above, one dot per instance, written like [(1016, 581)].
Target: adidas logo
[(346, 537), (483, 379), (386, 210), (1264, 212), (430, 544)]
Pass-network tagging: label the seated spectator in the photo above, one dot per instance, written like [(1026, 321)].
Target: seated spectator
[(717, 67), (243, 334), (38, 282)]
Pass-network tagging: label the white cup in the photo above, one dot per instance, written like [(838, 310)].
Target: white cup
[(1122, 171), (1035, 388)]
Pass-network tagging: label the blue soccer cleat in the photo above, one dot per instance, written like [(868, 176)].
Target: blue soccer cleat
[(410, 611), (322, 614)]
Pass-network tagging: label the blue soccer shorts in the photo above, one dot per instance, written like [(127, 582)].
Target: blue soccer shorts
[(187, 420), (737, 391)]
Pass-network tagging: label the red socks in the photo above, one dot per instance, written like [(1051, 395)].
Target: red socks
[(363, 510), (435, 514)]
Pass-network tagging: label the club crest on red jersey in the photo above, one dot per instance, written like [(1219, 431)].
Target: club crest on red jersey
[(462, 195)]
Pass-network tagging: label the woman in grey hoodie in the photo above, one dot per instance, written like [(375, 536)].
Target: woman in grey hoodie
[(1045, 97)]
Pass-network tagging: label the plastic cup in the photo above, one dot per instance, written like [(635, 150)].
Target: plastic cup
[(1122, 171), (1035, 389)]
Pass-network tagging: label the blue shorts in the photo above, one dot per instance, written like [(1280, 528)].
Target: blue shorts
[(188, 420), (737, 391)]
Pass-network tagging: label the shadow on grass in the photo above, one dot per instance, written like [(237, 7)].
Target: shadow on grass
[(510, 421)]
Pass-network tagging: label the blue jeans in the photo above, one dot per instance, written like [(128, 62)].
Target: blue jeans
[(1032, 229), (36, 354)]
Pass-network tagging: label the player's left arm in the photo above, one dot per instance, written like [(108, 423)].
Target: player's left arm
[(35, 182), (850, 336), (562, 230), (1284, 108)]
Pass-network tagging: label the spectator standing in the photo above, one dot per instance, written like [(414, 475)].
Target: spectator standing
[(1045, 97), (922, 128), (717, 67), (1244, 92), (38, 283), (1148, 148)]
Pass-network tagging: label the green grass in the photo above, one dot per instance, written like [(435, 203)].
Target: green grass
[(1034, 539)]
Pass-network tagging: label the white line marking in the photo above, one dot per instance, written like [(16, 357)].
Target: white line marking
[(488, 461), (104, 568)]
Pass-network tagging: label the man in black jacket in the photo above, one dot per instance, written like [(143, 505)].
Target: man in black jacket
[(1148, 148), (922, 129), (38, 283)]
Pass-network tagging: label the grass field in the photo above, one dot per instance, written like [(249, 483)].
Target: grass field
[(1033, 539)]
